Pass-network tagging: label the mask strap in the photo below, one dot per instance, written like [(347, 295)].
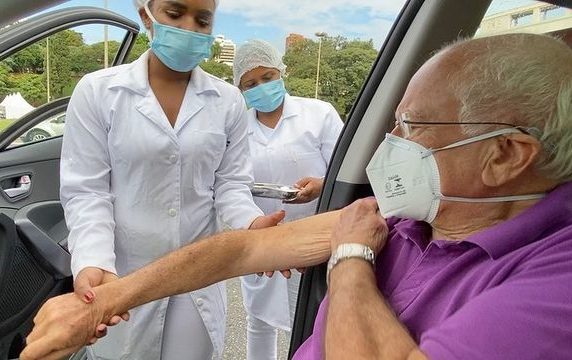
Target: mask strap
[(148, 11), (493, 199), (477, 138)]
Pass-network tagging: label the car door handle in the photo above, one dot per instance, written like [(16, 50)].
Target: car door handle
[(24, 184)]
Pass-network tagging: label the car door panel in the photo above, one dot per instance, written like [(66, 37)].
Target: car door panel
[(34, 261), (41, 162), (42, 228), (24, 285)]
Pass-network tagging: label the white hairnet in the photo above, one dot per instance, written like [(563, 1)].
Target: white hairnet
[(140, 3), (253, 54)]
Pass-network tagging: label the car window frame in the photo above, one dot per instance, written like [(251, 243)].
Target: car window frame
[(30, 31)]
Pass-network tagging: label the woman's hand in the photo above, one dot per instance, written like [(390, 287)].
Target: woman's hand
[(310, 189), (85, 281), (267, 220)]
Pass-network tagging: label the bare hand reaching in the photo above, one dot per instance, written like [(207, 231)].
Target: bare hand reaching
[(86, 280), (310, 189), (63, 317), (361, 223)]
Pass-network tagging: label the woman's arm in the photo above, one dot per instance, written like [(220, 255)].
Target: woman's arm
[(85, 186), (234, 176)]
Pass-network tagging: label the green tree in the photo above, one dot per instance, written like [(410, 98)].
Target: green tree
[(300, 87), (215, 51), (218, 69), (31, 86), (90, 58), (61, 45), (141, 45), (29, 59), (6, 85), (344, 66)]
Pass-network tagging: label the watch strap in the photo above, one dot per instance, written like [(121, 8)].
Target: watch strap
[(349, 251)]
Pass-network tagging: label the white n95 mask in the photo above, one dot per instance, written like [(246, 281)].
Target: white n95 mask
[(405, 178)]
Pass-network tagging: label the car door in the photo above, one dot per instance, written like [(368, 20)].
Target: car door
[(422, 27), (34, 262)]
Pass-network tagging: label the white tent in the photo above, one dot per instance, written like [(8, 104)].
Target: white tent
[(16, 106)]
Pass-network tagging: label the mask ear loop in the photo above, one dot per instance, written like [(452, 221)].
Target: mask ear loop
[(471, 140), (148, 11)]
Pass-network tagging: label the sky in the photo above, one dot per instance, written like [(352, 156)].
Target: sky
[(273, 20), (240, 20)]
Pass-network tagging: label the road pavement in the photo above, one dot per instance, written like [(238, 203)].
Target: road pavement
[(235, 344)]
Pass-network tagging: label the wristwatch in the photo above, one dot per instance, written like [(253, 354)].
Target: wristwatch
[(348, 251)]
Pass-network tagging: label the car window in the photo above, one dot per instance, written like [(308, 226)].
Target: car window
[(527, 17), (49, 69), (329, 49)]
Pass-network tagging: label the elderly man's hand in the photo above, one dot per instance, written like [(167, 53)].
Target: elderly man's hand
[(62, 326), (361, 223)]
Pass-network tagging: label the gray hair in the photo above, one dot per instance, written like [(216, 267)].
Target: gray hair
[(522, 79)]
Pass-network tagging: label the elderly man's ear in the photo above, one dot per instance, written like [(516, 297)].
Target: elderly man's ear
[(512, 156)]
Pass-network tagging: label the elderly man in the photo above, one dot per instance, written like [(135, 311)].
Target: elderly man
[(474, 257)]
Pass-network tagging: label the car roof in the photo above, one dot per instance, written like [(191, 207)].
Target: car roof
[(13, 10)]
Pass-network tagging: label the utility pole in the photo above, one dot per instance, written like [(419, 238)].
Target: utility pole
[(320, 35), (105, 38), (48, 67)]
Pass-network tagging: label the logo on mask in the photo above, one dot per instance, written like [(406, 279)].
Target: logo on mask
[(394, 186)]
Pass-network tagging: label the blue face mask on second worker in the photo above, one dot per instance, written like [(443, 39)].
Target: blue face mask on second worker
[(266, 97), (180, 50)]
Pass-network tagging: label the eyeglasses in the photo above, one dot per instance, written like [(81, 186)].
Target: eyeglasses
[(405, 125)]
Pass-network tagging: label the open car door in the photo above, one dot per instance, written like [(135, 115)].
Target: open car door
[(34, 261)]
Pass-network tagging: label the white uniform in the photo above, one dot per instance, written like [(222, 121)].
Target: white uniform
[(300, 145), (134, 188)]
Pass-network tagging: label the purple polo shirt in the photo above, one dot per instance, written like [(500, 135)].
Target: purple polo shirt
[(504, 293)]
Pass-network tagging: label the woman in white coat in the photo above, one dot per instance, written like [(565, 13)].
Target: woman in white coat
[(291, 141), (152, 152)]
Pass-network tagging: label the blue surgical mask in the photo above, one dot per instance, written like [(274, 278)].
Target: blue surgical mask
[(180, 50), (266, 97)]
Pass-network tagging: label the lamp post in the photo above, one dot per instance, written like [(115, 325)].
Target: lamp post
[(320, 35), (105, 45)]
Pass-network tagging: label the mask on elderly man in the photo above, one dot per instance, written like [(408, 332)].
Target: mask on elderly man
[(180, 50), (406, 183), (266, 97)]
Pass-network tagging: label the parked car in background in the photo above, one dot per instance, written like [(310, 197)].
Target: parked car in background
[(46, 129)]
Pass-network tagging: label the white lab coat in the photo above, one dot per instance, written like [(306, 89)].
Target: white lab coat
[(301, 145), (134, 188)]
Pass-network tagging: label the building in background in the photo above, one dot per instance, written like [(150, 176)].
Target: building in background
[(227, 50), (293, 39), (538, 18)]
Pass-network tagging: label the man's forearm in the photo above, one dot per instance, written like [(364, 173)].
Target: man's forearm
[(360, 324), (296, 244)]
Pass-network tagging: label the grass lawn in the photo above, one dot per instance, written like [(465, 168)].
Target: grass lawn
[(4, 123)]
